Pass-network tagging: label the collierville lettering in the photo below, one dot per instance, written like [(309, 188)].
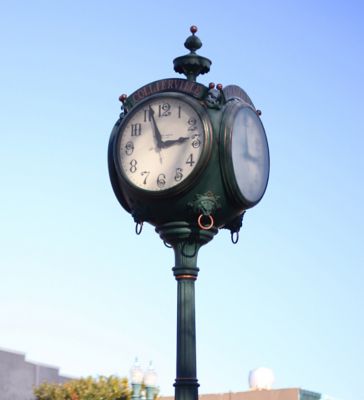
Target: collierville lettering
[(180, 85)]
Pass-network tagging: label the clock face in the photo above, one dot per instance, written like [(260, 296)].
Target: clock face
[(161, 142), (249, 155)]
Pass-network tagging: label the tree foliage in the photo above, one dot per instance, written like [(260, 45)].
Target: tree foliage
[(102, 388)]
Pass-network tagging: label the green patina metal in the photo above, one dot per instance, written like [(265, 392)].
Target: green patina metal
[(186, 241), (192, 64)]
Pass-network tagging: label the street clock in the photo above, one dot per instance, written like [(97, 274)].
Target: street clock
[(188, 159), (182, 151)]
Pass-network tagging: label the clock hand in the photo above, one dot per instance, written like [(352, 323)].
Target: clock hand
[(248, 156), (246, 153), (156, 132), (158, 136), (169, 143)]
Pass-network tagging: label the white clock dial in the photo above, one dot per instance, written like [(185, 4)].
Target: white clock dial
[(250, 155), (160, 143)]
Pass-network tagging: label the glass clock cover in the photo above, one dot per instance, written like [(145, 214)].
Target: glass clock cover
[(249, 155), (161, 143)]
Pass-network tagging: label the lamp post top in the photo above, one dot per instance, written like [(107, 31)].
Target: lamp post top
[(150, 377), (136, 373)]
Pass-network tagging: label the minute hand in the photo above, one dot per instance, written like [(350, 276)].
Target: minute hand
[(156, 132), (169, 143)]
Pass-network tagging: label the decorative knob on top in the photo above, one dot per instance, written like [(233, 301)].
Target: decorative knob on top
[(192, 64), (193, 43)]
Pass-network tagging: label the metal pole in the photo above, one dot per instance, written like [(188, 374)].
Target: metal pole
[(136, 391), (186, 384), (186, 240)]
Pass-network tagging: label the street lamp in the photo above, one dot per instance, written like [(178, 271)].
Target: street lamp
[(136, 379), (150, 379)]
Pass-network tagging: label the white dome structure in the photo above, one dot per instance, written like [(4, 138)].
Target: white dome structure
[(261, 379)]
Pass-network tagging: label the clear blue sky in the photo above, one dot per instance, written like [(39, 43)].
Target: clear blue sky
[(80, 290)]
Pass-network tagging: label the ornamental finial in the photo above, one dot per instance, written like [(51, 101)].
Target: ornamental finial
[(192, 64), (193, 43)]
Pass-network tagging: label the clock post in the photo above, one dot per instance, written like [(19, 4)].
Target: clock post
[(186, 242), (190, 160)]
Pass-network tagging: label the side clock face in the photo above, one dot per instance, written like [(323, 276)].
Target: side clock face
[(162, 143), (246, 155)]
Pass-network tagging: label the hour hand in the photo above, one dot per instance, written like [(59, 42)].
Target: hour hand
[(156, 132), (169, 143), (246, 153)]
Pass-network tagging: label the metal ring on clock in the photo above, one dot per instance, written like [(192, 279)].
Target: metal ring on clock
[(138, 228), (205, 227), (235, 237)]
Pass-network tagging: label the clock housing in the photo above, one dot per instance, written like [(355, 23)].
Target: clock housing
[(174, 154)]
